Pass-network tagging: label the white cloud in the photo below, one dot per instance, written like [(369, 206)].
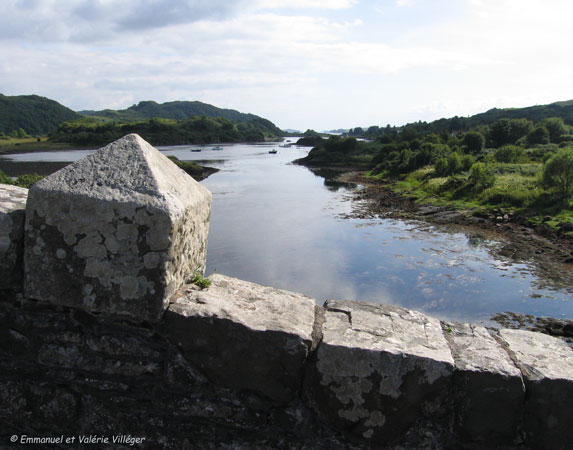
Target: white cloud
[(347, 64)]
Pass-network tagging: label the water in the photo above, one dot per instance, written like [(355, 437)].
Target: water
[(278, 224)]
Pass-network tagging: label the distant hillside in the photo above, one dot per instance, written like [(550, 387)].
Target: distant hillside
[(535, 114), (34, 114), (171, 110)]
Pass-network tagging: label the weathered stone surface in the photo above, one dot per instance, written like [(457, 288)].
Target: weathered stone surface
[(378, 369), (12, 215), (244, 335), (547, 366), (489, 389), (117, 232)]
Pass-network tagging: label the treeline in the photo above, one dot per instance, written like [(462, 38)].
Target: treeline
[(177, 110), (456, 124), (31, 115), (195, 130), (513, 163)]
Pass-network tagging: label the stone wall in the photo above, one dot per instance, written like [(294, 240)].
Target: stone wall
[(233, 365)]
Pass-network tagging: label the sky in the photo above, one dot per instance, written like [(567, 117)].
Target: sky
[(319, 64)]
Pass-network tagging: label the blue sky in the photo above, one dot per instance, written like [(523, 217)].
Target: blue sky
[(319, 64)]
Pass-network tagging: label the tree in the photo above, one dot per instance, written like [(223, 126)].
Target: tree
[(508, 131), (540, 135), (555, 126), (558, 172), (474, 142), (509, 154)]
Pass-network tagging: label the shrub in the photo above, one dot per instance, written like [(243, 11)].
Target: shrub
[(467, 162), (454, 163), (481, 177), (441, 167), (558, 172), (509, 154), (28, 180)]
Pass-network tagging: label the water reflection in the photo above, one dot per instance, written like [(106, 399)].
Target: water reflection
[(280, 225)]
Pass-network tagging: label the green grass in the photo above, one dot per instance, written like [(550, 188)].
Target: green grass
[(201, 281), (29, 143), (517, 187)]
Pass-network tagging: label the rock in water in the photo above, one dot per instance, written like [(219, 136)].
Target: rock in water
[(117, 232)]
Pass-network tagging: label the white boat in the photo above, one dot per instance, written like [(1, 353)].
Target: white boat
[(218, 148)]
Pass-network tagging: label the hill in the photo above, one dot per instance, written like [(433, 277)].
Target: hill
[(177, 110), (34, 114), (537, 113)]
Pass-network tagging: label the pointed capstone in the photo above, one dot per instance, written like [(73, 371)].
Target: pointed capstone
[(117, 232)]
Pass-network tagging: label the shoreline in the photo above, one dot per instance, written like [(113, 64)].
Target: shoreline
[(548, 254)]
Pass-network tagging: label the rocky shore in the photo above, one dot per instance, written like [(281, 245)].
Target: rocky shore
[(548, 253)]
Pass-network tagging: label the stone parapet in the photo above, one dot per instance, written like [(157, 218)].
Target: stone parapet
[(379, 369), (117, 232), (243, 335), (12, 216), (546, 364), (488, 388)]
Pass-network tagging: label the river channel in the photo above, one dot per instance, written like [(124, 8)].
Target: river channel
[(278, 224)]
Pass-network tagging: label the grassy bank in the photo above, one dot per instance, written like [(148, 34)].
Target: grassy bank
[(27, 144), (516, 190)]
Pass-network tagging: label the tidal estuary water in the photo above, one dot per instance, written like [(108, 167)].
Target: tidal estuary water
[(278, 224)]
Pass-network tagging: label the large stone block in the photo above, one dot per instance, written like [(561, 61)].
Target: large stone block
[(116, 232), (243, 335), (489, 392), (12, 215), (378, 369), (547, 366)]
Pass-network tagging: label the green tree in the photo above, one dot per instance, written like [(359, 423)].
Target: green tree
[(508, 131), (540, 135), (558, 172), (555, 126), (509, 154), (474, 142)]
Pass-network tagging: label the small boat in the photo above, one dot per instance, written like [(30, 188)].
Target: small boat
[(195, 149), (273, 152), (218, 148)]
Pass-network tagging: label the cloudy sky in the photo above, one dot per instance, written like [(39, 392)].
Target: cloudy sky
[(319, 64)]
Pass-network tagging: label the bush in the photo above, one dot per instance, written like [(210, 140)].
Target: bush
[(467, 162), (509, 154), (454, 163), (5, 179), (558, 172), (28, 180), (441, 167), (481, 177)]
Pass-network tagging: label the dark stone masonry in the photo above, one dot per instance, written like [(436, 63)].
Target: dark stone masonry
[(106, 343)]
